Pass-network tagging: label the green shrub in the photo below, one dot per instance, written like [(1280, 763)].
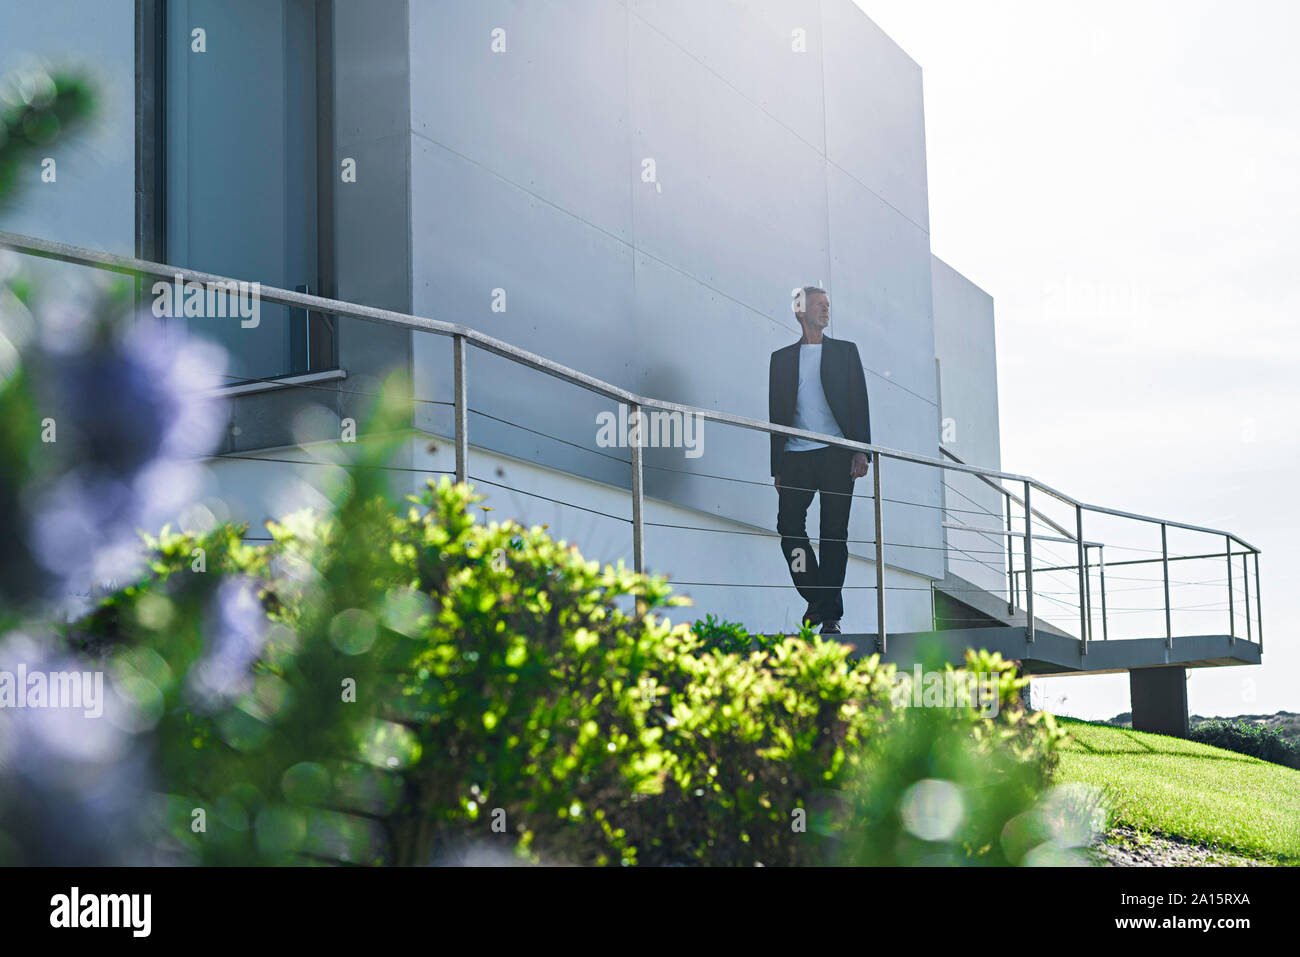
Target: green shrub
[(1245, 737), (721, 635), (728, 637), (755, 740), (502, 697)]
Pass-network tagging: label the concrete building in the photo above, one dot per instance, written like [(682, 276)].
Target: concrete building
[(631, 188)]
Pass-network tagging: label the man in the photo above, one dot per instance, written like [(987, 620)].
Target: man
[(817, 384)]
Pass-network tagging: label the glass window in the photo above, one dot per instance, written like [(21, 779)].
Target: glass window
[(240, 155)]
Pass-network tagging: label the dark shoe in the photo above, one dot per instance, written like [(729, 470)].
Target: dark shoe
[(811, 618), (831, 627)]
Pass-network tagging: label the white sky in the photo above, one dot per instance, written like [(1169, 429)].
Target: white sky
[(1122, 178)]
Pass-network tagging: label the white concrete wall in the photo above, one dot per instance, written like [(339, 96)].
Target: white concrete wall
[(773, 169), (966, 348), (523, 172)]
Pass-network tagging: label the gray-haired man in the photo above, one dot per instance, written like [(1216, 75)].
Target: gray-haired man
[(817, 384)]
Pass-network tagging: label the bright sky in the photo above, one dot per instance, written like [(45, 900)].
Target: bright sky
[(1121, 177)]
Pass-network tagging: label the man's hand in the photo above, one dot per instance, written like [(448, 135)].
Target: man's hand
[(859, 466)]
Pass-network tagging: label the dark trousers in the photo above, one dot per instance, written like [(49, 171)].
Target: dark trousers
[(818, 578)]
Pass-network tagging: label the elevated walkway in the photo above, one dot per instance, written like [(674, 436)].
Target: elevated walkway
[(1052, 651), (1157, 667), (1044, 562), (1056, 654)]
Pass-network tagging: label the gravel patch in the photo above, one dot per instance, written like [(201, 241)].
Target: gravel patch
[(1125, 846)]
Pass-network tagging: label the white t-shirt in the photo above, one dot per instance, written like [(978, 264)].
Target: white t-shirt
[(811, 410)]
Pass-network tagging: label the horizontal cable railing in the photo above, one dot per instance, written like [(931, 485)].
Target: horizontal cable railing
[(1018, 580)]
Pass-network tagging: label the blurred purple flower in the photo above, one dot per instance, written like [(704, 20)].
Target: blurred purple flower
[(74, 787), (135, 412), (235, 633), (138, 397)]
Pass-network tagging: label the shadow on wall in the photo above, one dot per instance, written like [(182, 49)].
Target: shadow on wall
[(680, 446)]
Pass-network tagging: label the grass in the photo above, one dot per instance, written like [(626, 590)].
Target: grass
[(1156, 783)]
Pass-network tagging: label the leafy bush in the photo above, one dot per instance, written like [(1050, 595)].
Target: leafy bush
[(721, 635), (502, 696), (1245, 737), (729, 637), (756, 741)]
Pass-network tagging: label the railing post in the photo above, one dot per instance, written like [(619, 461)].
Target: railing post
[(1164, 560), (1232, 623), (638, 502), (1083, 599), (1101, 570), (1029, 565), (1245, 580), (880, 556), (1087, 590), (461, 386), (1011, 576), (1259, 609)]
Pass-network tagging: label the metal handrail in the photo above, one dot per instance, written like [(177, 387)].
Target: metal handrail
[(63, 252), (1010, 495)]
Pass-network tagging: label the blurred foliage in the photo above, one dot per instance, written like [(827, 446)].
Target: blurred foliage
[(949, 786), (36, 108), (105, 428)]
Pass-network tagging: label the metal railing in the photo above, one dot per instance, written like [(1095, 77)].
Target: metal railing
[(463, 336)]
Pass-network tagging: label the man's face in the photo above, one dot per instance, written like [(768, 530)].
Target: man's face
[(817, 310)]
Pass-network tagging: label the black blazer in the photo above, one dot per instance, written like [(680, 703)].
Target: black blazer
[(843, 381)]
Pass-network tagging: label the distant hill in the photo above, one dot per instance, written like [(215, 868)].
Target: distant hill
[(1287, 722)]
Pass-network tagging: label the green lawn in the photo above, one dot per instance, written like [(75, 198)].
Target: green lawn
[(1157, 783)]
